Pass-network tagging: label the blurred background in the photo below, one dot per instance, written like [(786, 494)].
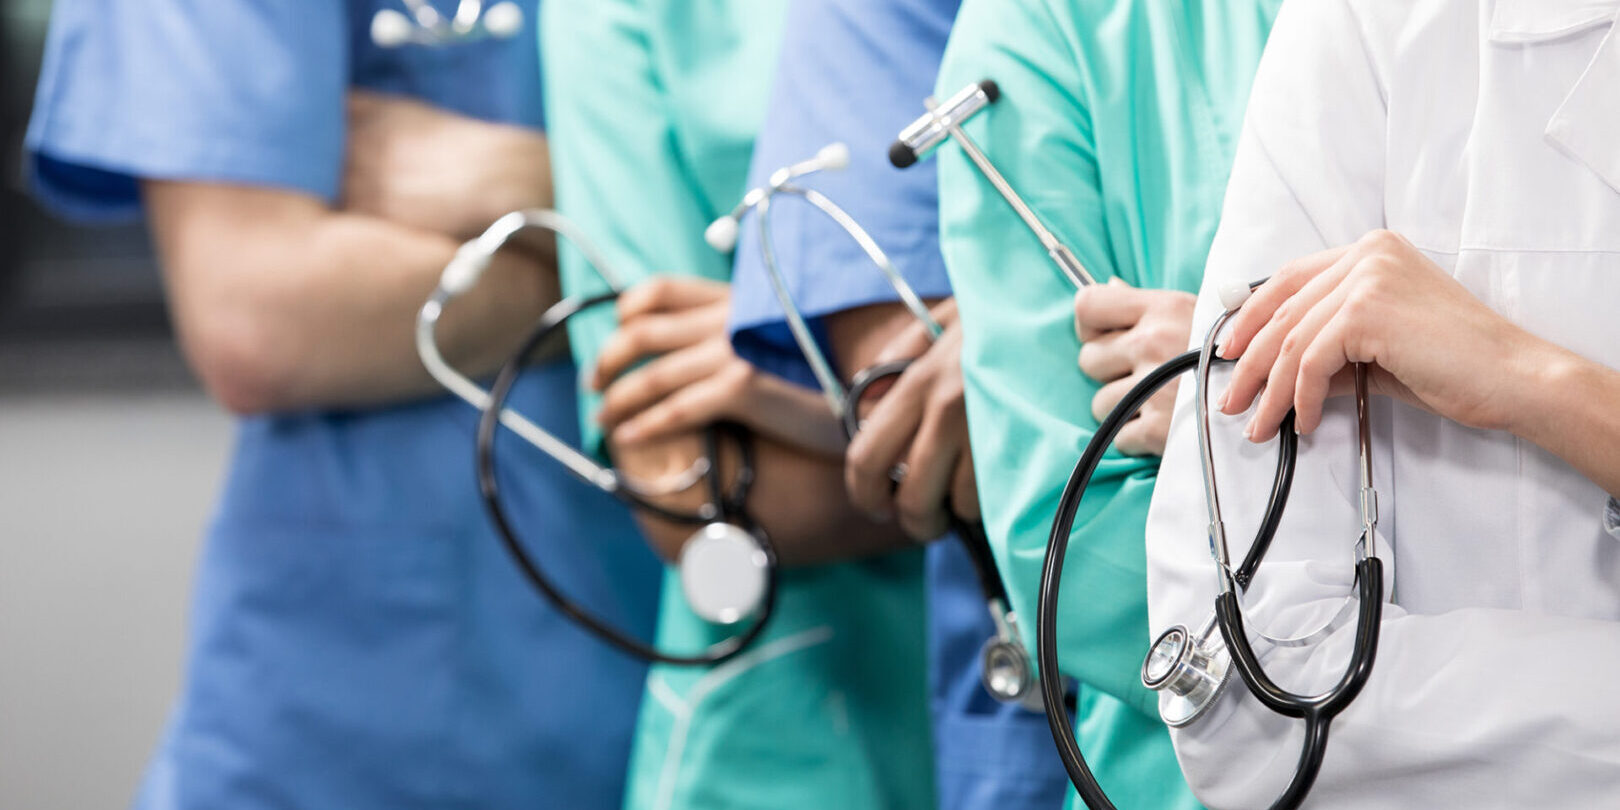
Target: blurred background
[(109, 458)]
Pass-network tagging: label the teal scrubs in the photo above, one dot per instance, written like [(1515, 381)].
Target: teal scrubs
[(855, 72), (653, 108), (358, 637), (1117, 123)]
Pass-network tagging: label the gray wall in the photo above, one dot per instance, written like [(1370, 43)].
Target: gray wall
[(102, 496)]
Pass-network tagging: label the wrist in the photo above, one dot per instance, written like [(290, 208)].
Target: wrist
[(1546, 388)]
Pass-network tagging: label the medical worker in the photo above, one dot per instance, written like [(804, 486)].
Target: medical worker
[(358, 637), (855, 72), (1117, 122), (653, 107), (1434, 189)]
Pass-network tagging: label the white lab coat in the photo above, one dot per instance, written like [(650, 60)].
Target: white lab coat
[(1488, 134)]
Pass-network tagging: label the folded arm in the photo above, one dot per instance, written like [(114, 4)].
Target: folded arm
[(282, 302), (1476, 706)]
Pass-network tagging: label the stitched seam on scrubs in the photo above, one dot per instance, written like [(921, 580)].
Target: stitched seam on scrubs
[(713, 680)]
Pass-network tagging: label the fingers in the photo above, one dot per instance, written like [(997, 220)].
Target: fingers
[(930, 472), (1282, 383), (1282, 285), (670, 294), (1109, 396), (1319, 370), (913, 341), (639, 389), (965, 488), (1260, 354), (654, 334), (1101, 308), (1147, 433), (884, 439), (1106, 358), (944, 312), (692, 406)]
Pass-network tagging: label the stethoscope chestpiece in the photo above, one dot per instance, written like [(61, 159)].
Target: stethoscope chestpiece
[(1006, 673), (724, 573), (1191, 670)]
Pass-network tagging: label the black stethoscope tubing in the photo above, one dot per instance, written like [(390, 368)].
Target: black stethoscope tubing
[(1058, 720), (724, 505)]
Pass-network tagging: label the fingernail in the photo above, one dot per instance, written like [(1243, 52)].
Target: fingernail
[(1248, 430), (1221, 403)]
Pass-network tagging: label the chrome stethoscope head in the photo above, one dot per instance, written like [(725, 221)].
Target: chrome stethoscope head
[(1005, 666), (727, 572), (944, 121), (1193, 669), (424, 25)]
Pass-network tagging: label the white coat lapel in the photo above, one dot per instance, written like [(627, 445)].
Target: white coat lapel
[(1586, 126), (1546, 20)]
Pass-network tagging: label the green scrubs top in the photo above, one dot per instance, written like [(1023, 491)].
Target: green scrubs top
[(653, 106), (1117, 123)]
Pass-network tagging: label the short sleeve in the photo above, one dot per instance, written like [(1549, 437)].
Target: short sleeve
[(651, 114), (230, 91), (854, 73)]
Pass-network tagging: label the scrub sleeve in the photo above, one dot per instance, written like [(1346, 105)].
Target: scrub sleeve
[(653, 111), (1117, 123), (857, 72), (358, 638)]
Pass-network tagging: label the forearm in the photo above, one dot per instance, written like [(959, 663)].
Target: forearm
[(1568, 408), (797, 498), (282, 304)]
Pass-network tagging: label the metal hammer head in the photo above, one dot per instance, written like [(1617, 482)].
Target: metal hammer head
[(929, 131)]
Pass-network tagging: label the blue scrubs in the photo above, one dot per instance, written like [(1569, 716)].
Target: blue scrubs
[(857, 71), (358, 637)]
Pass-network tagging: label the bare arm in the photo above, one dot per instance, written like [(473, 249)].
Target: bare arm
[(281, 303), (1429, 342)]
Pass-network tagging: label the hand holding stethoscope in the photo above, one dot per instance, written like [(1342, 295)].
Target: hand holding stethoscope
[(919, 424), (1006, 672), (728, 569), (1191, 667)]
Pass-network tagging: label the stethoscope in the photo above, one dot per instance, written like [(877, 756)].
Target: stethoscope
[(391, 28), (727, 570), (1192, 668), (1004, 664)]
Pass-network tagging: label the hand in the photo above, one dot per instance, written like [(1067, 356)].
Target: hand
[(414, 164), (1379, 301), (697, 379), (922, 422), (1125, 333)]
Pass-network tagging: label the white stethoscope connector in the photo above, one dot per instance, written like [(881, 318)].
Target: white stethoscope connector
[(424, 25)]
